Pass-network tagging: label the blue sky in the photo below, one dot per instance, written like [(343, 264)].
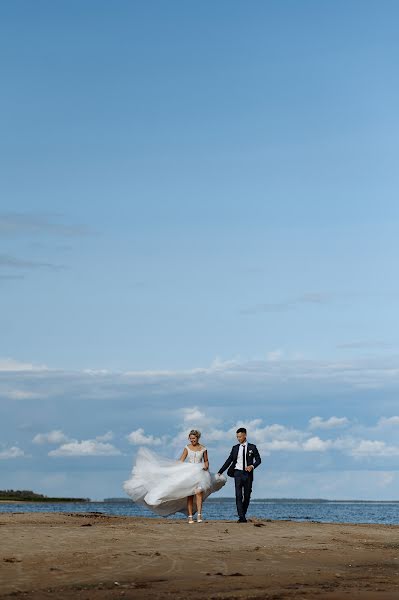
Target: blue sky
[(198, 227)]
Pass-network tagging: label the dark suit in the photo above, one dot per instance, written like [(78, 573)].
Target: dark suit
[(243, 479)]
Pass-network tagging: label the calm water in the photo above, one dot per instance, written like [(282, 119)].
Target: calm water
[(325, 512)]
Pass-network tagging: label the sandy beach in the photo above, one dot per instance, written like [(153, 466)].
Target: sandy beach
[(94, 556)]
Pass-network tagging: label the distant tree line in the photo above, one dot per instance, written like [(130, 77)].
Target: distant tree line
[(29, 496)]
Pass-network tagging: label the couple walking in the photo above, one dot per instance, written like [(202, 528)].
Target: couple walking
[(167, 487)]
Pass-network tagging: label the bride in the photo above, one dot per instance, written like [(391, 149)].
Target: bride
[(167, 487), (196, 454)]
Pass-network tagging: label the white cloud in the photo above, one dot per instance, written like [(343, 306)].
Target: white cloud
[(251, 425), (9, 364), (22, 395), (218, 364), (273, 438), (372, 448), (251, 384), (271, 434), (281, 432), (279, 438), (193, 414), (72, 447), (315, 444), (13, 452), (138, 437), (106, 437), (331, 423), (85, 448), (387, 421), (56, 436), (194, 417), (225, 376), (279, 445)]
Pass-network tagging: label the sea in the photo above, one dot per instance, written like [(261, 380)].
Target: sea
[(320, 511)]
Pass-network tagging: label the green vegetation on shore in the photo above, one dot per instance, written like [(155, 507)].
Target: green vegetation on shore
[(29, 496)]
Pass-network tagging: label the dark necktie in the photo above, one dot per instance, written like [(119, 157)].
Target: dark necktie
[(243, 457)]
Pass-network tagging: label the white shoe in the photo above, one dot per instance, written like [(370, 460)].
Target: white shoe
[(190, 519), (199, 518)]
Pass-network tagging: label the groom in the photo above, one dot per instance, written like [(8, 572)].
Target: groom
[(243, 459)]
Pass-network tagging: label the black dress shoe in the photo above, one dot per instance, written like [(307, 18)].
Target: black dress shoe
[(240, 520)]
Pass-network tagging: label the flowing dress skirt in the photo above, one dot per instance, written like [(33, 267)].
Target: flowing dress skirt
[(162, 484)]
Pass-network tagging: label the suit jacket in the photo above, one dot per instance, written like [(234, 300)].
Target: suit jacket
[(252, 458)]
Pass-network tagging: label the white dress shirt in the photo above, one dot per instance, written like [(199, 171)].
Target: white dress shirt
[(240, 463)]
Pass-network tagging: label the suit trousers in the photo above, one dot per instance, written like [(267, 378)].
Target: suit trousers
[(243, 483)]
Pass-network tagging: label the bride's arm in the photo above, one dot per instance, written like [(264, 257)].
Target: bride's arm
[(184, 455), (206, 461)]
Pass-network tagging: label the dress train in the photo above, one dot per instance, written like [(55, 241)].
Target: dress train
[(162, 485)]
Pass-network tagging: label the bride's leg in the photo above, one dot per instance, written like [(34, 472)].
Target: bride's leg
[(190, 501), (199, 498)]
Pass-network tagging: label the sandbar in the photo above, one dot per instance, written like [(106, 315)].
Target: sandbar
[(92, 556)]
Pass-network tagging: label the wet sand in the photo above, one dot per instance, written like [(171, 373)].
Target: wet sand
[(98, 557)]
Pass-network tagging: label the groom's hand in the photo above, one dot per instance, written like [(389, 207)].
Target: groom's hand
[(250, 468)]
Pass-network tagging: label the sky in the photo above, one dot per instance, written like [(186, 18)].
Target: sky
[(198, 228)]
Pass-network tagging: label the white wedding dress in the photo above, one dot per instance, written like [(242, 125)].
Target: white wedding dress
[(162, 484)]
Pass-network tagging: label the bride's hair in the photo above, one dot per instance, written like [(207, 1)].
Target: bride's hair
[(196, 433)]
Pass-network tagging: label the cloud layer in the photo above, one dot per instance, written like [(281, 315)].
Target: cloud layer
[(275, 438), (283, 403)]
